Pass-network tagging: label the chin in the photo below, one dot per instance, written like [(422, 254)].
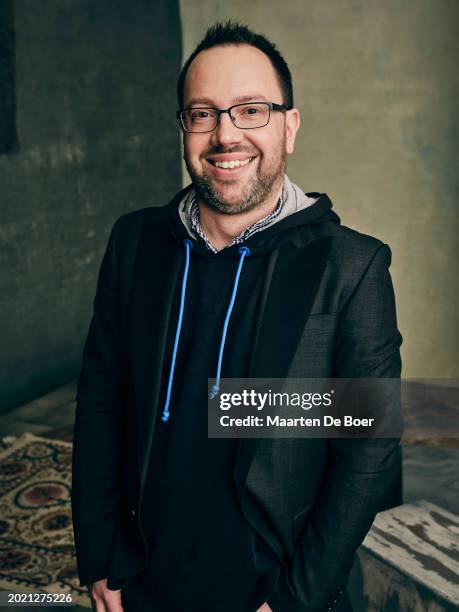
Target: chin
[(230, 207), (230, 197)]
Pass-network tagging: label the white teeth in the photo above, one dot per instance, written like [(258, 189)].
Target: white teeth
[(234, 163)]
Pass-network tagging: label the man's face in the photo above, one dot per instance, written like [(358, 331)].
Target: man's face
[(220, 77)]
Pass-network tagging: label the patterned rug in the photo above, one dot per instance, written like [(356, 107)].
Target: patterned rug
[(36, 538)]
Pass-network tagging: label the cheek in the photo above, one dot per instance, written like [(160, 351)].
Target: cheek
[(270, 144), (193, 150), (188, 149)]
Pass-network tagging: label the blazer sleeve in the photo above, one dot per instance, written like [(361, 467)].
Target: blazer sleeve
[(96, 444), (362, 474)]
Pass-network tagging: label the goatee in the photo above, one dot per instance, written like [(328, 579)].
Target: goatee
[(253, 194)]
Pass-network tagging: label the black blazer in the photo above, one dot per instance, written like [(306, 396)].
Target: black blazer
[(327, 311)]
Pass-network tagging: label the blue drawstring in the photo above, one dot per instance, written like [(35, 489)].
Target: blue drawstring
[(243, 251), (188, 247)]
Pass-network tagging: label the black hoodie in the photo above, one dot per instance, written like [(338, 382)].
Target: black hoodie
[(204, 555)]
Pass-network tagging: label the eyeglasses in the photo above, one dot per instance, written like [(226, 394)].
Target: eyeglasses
[(246, 116)]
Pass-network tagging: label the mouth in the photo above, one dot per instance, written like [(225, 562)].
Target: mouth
[(229, 168)]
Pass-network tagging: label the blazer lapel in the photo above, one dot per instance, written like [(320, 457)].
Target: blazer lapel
[(292, 280), (155, 285)]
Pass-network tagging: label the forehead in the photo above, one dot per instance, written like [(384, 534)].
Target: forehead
[(227, 73)]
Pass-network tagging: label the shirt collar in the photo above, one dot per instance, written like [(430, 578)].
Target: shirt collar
[(194, 219)]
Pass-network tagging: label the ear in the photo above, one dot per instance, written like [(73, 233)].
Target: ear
[(292, 123)]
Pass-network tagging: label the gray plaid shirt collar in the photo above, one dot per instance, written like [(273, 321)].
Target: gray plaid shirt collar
[(195, 222)]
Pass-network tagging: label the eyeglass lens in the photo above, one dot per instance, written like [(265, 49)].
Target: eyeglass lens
[(243, 116)]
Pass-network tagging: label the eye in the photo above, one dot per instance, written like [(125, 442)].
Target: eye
[(199, 114), (252, 110)]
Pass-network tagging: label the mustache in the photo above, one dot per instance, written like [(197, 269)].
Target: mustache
[(222, 150)]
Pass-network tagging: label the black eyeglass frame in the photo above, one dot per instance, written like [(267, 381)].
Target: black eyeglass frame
[(272, 106)]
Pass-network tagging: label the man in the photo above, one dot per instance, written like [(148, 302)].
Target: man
[(240, 275)]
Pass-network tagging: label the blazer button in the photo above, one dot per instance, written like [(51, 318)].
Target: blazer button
[(132, 513), (339, 590)]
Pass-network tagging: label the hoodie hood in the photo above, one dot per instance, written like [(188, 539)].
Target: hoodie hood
[(299, 209)]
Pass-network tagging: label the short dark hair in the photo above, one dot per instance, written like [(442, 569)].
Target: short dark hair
[(233, 33)]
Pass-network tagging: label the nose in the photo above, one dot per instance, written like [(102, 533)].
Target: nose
[(226, 133)]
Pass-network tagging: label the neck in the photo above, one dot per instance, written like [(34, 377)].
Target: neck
[(221, 229)]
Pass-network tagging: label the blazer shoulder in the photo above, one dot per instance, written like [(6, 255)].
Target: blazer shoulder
[(349, 238), (351, 247), (131, 224), (125, 237), (352, 255), (128, 228)]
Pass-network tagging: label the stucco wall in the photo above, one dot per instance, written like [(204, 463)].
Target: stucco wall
[(377, 85), (93, 89)]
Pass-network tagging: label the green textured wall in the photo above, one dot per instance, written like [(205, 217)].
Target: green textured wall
[(93, 89), (377, 84)]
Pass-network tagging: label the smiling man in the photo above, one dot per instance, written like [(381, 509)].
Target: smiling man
[(241, 275), (237, 168)]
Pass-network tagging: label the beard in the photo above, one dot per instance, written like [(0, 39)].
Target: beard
[(253, 194)]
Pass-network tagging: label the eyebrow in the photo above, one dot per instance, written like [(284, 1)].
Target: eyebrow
[(236, 100)]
